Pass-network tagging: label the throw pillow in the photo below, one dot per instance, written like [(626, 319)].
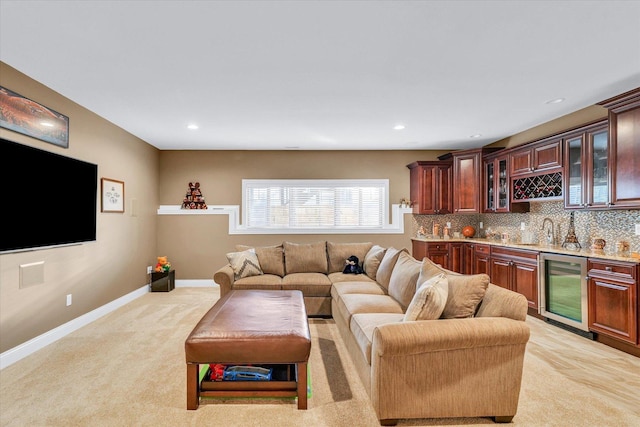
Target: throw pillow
[(402, 283), (244, 264), (271, 258), (430, 269), (306, 257), (372, 261), (429, 301), (386, 266), (465, 294)]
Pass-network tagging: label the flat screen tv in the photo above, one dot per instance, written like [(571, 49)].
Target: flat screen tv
[(46, 199)]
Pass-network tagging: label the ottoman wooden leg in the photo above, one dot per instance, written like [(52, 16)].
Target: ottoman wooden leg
[(193, 388), (302, 385)]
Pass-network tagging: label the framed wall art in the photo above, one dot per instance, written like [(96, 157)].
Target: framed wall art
[(27, 117), (112, 195)]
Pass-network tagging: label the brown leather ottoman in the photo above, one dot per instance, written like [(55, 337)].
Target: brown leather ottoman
[(251, 327)]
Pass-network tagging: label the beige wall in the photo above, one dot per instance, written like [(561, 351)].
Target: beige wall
[(196, 245), (95, 273), (559, 125)]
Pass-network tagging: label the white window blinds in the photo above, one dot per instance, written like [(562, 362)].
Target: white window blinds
[(315, 204)]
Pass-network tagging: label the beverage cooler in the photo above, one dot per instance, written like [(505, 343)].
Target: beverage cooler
[(563, 290)]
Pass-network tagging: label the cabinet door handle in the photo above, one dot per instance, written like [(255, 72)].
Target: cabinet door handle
[(608, 268), (612, 286)]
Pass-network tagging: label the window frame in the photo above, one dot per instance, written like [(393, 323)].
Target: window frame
[(383, 227)]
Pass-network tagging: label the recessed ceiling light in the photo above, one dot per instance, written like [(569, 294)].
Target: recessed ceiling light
[(555, 101), (398, 127), (192, 126), (477, 135)]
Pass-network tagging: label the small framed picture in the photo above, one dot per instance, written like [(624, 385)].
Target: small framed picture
[(112, 195)]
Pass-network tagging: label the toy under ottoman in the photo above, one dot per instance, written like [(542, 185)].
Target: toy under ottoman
[(251, 327)]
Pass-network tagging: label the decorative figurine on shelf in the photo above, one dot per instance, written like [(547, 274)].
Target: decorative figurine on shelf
[(353, 266), (194, 198), (163, 265), (422, 232), (405, 203)]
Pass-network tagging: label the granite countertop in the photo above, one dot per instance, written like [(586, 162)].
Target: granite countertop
[(584, 252)]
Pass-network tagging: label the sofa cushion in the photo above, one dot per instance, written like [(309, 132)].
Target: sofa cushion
[(465, 294), (339, 252), (311, 284), (341, 277), (265, 281), (351, 304), (362, 326), (429, 300), (402, 283), (271, 258), (244, 264), (305, 257), (372, 260), (343, 288), (386, 266), (430, 269)]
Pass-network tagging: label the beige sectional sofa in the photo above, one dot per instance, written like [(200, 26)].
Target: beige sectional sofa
[(426, 342), (308, 267)]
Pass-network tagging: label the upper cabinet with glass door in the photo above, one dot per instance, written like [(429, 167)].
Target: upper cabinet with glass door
[(587, 174), (496, 186)]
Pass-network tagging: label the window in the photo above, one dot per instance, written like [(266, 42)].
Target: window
[(327, 205)]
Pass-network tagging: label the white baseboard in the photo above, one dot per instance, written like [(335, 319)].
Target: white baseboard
[(196, 283), (13, 355)]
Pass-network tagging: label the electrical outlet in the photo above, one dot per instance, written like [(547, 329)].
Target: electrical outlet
[(69, 299), (448, 224), (149, 269), (523, 226), (481, 224), (637, 229)]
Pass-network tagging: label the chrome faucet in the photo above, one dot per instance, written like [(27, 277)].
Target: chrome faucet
[(551, 238)]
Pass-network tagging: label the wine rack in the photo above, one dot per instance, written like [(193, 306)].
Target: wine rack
[(538, 187)]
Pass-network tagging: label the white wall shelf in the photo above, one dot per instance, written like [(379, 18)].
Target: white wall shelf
[(395, 227)]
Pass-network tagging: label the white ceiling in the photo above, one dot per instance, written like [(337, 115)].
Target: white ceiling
[(331, 75)]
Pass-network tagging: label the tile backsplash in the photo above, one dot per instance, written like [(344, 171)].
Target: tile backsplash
[(612, 225)]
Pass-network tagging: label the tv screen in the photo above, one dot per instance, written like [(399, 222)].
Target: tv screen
[(46, 199)]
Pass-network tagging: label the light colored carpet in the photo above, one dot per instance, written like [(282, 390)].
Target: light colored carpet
[(128, 369)]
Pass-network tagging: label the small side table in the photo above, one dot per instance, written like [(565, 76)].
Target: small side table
[(163, 282)]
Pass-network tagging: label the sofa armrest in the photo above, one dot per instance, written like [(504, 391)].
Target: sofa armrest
[(452, 367), (501, 302), (224, 277), (447, 334)]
